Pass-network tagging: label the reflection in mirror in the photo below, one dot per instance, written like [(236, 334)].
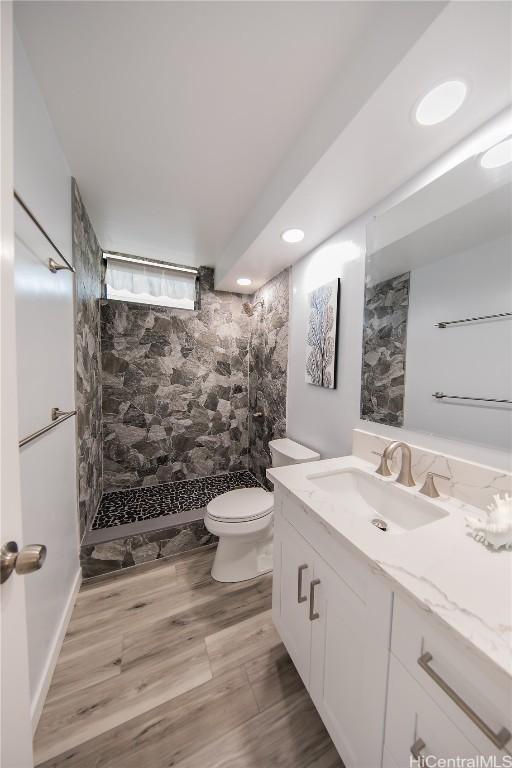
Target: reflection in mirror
[(438, 309)]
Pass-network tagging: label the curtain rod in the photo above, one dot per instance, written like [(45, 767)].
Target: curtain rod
[(159, 264)]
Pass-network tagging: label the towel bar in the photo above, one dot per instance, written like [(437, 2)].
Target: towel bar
[(441, 395), (58, 417)]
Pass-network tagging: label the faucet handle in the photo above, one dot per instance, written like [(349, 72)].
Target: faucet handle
[(383, 468), (429, 487)]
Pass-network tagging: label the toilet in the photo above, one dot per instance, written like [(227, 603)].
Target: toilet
[(243, 521)]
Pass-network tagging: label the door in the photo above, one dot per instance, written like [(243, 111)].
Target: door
[(338, 662), (290, 605), (16, 730)]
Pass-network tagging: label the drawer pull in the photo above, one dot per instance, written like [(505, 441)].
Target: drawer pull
[(300, 597), (312, 613), (416, 750), (499, 739)]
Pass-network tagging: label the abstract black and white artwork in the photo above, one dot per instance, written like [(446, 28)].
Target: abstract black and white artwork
[(321, 335)]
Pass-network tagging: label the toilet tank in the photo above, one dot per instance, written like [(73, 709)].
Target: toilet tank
[(285, 451)]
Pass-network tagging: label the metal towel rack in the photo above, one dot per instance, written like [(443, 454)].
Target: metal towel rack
[(53, 266), (441, 395), (445, 323), (58, 417)]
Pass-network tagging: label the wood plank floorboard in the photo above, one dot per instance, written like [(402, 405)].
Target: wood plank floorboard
[(242, 642), (289, 733), (101, 663), (165, 667), (272, 676), (171, 732)]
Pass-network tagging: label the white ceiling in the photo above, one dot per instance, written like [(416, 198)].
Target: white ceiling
[(383, 147), (197, 131), (173, 115)]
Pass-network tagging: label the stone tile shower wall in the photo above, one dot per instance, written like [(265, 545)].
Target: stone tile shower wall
[(109, 556), (268, 371), (87, 257), (384, 345), (175, 389)]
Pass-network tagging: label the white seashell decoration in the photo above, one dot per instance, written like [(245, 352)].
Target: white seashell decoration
[(496, 530)]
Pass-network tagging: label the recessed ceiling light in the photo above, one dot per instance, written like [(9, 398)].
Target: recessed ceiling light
[(441, 102), (292, 235), (244, 281), (500, 154)]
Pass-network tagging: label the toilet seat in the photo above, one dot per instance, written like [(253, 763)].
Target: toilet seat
[(241, 505)]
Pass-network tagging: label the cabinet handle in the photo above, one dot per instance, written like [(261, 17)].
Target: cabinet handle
[(416, 750), (300, 597), (499, 739), (312, 613)]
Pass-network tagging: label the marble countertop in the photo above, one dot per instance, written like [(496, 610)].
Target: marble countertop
[(467, 586)]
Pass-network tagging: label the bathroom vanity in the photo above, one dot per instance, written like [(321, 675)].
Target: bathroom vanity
[(402, 637)]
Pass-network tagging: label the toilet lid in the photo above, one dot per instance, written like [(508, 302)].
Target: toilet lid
[(241, 505)]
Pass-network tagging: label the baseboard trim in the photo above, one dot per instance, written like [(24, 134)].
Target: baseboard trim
[(42, 691)]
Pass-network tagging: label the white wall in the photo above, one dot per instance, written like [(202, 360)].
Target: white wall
[(324, 419), (45, 350), (471, 359)]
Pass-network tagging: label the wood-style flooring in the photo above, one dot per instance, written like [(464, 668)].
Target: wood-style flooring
[(165, 667)]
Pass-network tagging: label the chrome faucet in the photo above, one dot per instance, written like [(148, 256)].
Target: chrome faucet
[(405, 475)]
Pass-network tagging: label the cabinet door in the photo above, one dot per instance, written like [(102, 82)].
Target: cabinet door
[(294, 560), (337, 665)]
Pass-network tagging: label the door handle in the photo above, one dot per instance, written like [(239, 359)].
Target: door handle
[(30, 559), (300, 597), (312, 613)]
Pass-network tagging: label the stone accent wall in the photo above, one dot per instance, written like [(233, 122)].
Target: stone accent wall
[(384, 345), (175, 389), (87, 257), (268, 371), (109, 556)]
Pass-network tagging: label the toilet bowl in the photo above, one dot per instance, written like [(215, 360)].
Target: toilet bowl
[(243, 521)]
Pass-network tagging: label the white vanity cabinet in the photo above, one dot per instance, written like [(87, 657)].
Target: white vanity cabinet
[(442, 695), (337, 637), (388, 678)]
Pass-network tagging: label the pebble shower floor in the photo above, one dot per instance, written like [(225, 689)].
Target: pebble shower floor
[(134, 504)]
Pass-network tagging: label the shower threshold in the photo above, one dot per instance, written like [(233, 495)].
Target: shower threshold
[(97, 535)]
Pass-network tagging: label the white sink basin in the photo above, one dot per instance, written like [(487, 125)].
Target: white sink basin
[(370, 498)]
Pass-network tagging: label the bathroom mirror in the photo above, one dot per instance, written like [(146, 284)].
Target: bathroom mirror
[(437, 328)]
